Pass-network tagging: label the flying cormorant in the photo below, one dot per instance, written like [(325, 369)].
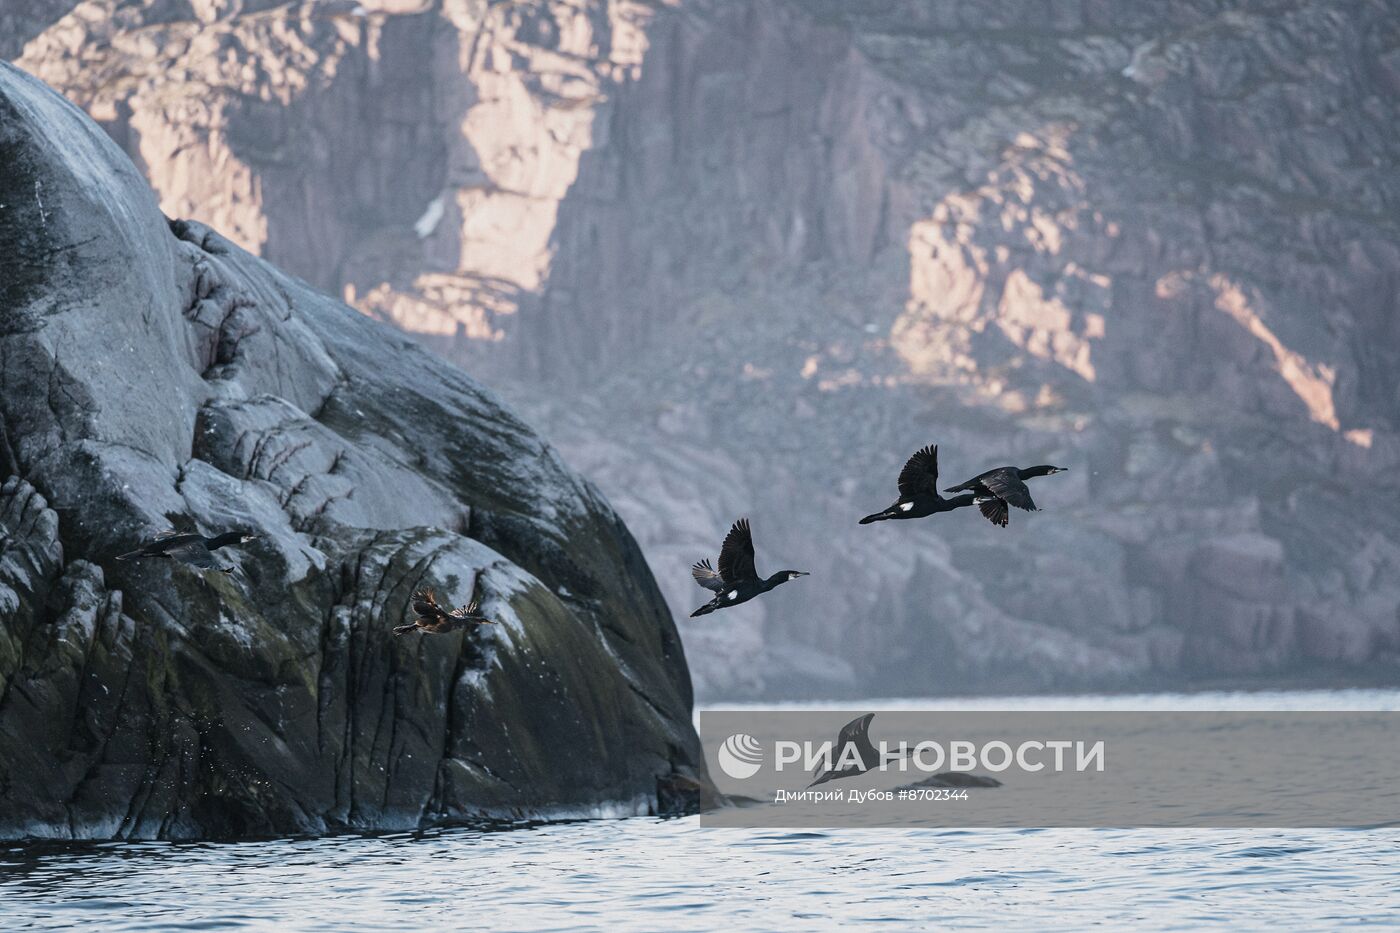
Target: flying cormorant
[(737, 580), (852, 753), (195, 550), (436, 620), (918, 491), (995, 489)]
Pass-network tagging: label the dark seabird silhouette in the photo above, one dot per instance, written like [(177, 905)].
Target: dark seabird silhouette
[(854, 734), (918, 491), (436, 620), (195, 550), (995, 489), (853, 753), (737, 580)]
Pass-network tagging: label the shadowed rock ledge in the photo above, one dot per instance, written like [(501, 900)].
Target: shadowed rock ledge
[(152, 374)]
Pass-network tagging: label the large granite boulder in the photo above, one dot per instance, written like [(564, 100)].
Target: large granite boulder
[(153, 375)]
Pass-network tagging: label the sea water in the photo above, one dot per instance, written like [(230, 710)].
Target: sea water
[(673, 875)]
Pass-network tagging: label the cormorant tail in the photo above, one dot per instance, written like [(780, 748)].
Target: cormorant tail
[(703, 610), (132, 555), (404, 629), (876, 517)]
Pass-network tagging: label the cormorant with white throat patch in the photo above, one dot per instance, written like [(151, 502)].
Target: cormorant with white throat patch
[(918, 491), (736, 581)]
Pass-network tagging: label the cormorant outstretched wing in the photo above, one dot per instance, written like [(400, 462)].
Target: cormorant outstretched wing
[(736, 554), (920, 474), (705, 575), (995, 511), (857, 733), (854, 733), (1005, 484), (168, 541), (425, 604), (857, 730), (160, 545), (192, 552)]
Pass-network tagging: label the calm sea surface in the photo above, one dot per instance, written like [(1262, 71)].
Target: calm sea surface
[(647, 874)]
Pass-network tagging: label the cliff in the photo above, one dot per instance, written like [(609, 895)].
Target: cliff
[(156, 375), (765, 251)]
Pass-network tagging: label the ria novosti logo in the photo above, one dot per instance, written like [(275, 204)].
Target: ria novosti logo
[(740, 756)]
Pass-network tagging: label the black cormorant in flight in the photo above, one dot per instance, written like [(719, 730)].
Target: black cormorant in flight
[(736, 581), (853, 753), (995, 489), (435, 620), (918, 491), (195, 550)]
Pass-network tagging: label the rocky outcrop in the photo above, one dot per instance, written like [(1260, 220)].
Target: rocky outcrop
[(156, 375), (764, 251)]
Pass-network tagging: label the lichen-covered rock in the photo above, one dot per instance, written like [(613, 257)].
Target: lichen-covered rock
[(152, 375)]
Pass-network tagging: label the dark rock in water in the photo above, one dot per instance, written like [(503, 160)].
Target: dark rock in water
[(955, 779), (154, 375)]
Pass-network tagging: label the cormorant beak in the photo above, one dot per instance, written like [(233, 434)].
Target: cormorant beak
[(799, 573), (246, 538), (1061, 469)]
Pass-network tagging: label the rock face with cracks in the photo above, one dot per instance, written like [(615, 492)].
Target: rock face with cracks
[(153, 376)]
